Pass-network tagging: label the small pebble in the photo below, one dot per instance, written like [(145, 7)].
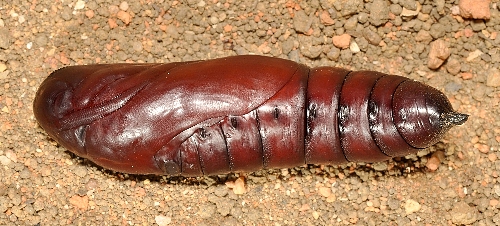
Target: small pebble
[(438, 54), (46, 171), (301, 22), (333, 54), (463, 214), (354, 47), (79, 5), (492, 157), (325, 191), (483, 148), (407, 12), (351, 23), (342, 41), (163, 220), (433, 163), (325, 18), (473, 55), (90, 14), (412, 206), (331, 198), (466, 75), (475, 9), (4, 160), (437, 31), (379, 12), (397, 10), (238, 186), (124, 6), (493, 78), (372, 37), (453, 66), (124, 16), (496, 189), (79, 202), (315, 215)]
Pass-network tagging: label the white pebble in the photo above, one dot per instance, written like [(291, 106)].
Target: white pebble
[(162, 220), (21, 19), (455, 10), (315, 215), (124, 6), (474, 55), (4, 160), (354, 47), (79, 5), (411, 206)]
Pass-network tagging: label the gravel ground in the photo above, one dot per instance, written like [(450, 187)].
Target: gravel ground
[(453, 48)]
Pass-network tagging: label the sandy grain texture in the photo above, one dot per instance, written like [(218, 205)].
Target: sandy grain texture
[(41, 183)]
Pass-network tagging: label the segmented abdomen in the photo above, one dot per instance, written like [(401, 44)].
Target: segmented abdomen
[(321, 116)]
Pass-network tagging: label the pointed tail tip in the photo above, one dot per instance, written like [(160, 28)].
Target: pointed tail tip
[(454, 118)]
